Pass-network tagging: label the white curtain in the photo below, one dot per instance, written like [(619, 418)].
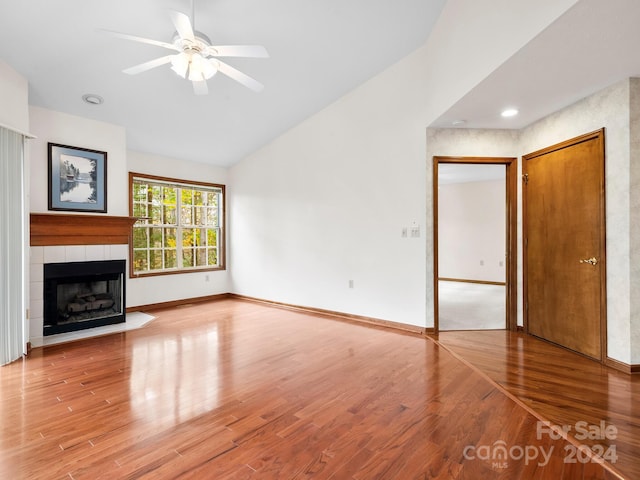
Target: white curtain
[(13, 342)]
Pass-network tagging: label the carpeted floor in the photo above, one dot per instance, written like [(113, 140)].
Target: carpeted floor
[(471, 306)]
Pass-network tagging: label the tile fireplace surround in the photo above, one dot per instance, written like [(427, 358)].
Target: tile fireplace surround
[(58, 238)]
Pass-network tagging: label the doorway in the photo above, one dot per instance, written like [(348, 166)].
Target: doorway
[(564, 244), (456, 294)]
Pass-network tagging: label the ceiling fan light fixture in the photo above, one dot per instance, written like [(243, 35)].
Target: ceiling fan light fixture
[(194, 57), (195, 75), (200, 68), (180, 64)]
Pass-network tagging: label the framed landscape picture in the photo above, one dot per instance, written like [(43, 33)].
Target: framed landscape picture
[(77, 179)]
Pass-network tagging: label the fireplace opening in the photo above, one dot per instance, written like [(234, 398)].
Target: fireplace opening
[(79, 295)]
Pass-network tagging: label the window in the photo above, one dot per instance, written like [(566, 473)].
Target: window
[(180, 225)]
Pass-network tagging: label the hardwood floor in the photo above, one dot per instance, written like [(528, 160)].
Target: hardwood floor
[(237, 390), (562, 387)]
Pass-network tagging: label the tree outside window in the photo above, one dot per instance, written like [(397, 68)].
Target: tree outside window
[(179, 226)]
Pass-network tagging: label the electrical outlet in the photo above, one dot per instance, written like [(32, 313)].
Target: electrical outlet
[(206, 278), (404, 232), (501, 263), (415, 231), (482, 262), (350, 283)]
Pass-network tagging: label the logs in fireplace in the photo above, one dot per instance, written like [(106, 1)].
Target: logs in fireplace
[(79, 295)]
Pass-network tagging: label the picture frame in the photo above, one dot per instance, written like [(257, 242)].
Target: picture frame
[(77, 179)]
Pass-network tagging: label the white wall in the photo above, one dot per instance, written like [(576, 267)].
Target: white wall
[(57, 127), (307, 217), (472, 230), (14, 98), (326, 202), (164, 288)]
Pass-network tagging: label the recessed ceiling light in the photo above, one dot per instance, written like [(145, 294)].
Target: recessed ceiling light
[(509, 112), (93, 99)]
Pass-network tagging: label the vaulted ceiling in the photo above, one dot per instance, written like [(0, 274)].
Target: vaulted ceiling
[(319, 50)]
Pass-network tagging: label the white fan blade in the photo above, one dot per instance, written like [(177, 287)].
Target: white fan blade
[(238, 76), (183, 25), (158, 43), (250, 51), (148, 65), (200, 87)]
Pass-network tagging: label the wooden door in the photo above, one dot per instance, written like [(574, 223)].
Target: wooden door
[(564, 223)]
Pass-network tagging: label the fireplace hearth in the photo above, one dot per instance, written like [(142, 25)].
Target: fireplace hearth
[(80, 295)]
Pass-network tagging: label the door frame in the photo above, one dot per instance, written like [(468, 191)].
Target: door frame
[(600, 136), (511, 232)]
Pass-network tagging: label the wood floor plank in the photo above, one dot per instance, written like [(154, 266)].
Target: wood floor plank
[(564, 388), (232, 389)]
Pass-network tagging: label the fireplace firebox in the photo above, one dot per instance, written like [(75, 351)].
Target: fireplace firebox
[(79, 295)]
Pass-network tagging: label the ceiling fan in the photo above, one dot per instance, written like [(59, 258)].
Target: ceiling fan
[(197, 60)]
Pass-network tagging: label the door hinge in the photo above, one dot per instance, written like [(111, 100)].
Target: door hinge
[(525, 178)]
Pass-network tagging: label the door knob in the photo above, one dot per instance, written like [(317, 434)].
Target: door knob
[(591, 261)]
